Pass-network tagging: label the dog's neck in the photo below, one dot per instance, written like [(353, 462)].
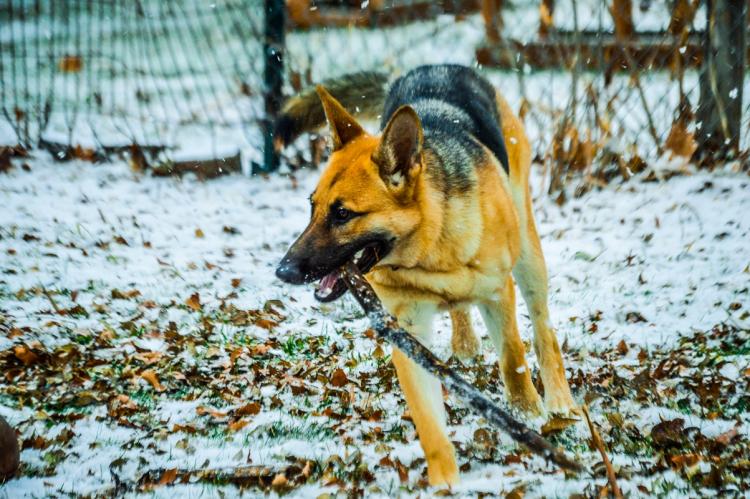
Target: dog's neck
[(447, 233)]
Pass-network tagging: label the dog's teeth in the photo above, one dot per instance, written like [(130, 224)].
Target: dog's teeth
[(359, 253)]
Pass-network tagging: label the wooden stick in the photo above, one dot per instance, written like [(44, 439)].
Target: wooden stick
[(597, 441), (388, 329)]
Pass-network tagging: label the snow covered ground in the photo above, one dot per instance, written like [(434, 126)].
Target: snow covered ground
[(142, 329)]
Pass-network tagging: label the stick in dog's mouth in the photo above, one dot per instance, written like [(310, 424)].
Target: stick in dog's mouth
[(333, 286)]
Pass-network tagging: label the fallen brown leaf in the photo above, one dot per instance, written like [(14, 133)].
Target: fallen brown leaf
[(260, 349), (279, 481), (266, 324), (203, 410), (250, 409), (124, 295), (685, 460), (727, 437), (238, 425), (150, 376), (516, 493), (680, 141), (25, 355), (669, 433), (194, 302), (338, 378), (148, 357), (622, 348), (168, 477)]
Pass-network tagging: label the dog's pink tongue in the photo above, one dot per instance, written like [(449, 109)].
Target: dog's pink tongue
[(327, 283)]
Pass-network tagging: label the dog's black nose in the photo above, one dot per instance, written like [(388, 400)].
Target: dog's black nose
[(289, 272)]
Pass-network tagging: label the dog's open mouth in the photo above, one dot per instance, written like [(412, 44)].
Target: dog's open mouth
[(332, 285)]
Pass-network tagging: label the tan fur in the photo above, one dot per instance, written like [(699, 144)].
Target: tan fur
[(450, 259), (464, 341)]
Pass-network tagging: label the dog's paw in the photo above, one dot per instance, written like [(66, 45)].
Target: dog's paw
[(562, 406), (468, 357), (467, 351), (443, 470), (526, 400)]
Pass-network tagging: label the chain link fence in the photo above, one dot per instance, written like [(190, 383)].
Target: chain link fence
[(98, 76), (607, 88), (630, 86)]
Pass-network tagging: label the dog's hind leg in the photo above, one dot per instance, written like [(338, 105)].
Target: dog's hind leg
[(423, 393), (500, 317), (464, 341), (530, 272)]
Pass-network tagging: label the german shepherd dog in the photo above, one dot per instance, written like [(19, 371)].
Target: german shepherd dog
[(436, 211)]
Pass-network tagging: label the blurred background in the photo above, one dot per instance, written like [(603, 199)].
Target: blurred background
[(607, 88)]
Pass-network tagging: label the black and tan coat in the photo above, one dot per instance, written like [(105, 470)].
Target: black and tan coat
[(437, 211)]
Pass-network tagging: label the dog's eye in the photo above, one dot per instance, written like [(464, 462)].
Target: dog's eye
[(342, 215)]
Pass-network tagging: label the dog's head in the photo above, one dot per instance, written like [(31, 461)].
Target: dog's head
[(364, 204)]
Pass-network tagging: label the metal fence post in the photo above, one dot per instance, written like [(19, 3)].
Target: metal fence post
[(273, 79), (721, 80)]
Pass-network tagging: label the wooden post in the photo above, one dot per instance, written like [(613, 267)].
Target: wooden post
[(493, 20), (622, 15), (273, 79), (683, 14), (721, 81), (546, 15)]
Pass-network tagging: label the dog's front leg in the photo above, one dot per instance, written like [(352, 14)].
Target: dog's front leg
[(423, 392)]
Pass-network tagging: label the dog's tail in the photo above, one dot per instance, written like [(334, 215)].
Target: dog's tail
[(362, 94)]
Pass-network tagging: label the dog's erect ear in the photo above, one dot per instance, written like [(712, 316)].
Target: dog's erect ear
[(399, 154), (344, 128)]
